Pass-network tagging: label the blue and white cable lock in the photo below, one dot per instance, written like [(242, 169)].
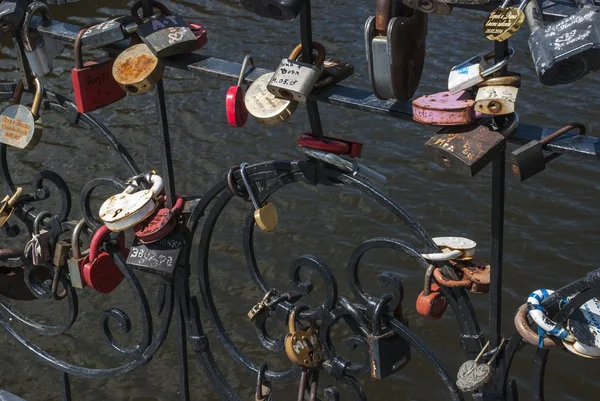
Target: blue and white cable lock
[(544, 323)]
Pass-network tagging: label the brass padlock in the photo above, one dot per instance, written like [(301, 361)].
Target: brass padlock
[(266, 216), (264, 106), (21, 126), (137, 69), (7, 206), (302, 346)]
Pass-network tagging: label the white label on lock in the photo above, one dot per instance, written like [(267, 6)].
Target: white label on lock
[(466, 75), (496, 100)]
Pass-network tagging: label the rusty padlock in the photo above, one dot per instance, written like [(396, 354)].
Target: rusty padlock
[(159, 224), (446, 108), (431, 304), (100, 271), (477, 272), (331, 145), (137, 69)]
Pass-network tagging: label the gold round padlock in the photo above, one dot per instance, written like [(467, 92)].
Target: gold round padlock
[(137, 69), (510, 79), (266, 217), (302, 346), (7, 205)]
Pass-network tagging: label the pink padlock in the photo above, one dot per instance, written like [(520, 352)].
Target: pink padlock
[(446, 108)]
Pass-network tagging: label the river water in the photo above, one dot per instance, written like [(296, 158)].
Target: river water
[(551, 232)]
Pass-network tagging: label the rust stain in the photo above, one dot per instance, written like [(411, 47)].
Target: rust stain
[(135, 68)]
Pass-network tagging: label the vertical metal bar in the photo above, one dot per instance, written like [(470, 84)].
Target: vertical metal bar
[(314, 117), (24, 68), (183, 297), (66, 386), (167, 158), (147, 8), (497, 228)]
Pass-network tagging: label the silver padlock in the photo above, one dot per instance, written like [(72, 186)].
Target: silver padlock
[(39, 244), (21, 126), (75, 263), (133, 205), (294, 80), (40, 52), (473, 71)]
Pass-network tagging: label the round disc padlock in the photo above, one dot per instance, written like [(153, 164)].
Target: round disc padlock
[(137, 69), (264, 106), (160, 224)]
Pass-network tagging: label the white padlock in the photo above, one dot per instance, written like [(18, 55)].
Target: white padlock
[(496, 100), (458, 248), (40, 52), (473, 71), (133, 205)]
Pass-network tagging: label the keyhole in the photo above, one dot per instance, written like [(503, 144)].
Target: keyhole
[(117, 212)]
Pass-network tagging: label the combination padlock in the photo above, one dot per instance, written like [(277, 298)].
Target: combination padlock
[(165, 35), (137, 70), (7, 205), (99, 270), (93, 83), (431, 304), (294, 80), (302, 346), (21, 126), (264, 106), (160, 223), (40, 52), (237, 113), (133, 205), (473, 71)]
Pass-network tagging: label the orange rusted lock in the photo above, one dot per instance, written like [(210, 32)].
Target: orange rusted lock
[(477, 272), (431, 304), (137, 69)]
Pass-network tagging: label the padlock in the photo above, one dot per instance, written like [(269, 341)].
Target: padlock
[(334, 72), (473, 71), (509, 79), (497, 96), (264, 106), (529, 159), (265, 215), (282, 10), (7, 205), (93, 83), (99, 270), (453, 248), (237, 113), (199, 32), (61, 253), (302, 347), (165, 35), (473, 375), (429, 6), (21, 126), (395, 49), (565, 50), (350, 167), (387, 350), (446, 108), (77, 260), (504, 21), (475, 271), (39, 244), (108, 32), (294, 80), (133, 205), (40, 52), (332, 145), (137, 70), (467, 150), (431, 304), (159, 224)]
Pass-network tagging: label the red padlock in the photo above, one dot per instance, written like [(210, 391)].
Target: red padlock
[(159, 224), (331, 145), (431, 304), (200, 33), (93, 82), (100, 270), (237, 114)]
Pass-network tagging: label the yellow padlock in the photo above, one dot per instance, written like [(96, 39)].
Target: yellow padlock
[(7, 206)]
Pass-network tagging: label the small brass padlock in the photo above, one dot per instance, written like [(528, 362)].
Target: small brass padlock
[(137, 69), (302, 346), (21, 126), (266, 216), (7, 206)]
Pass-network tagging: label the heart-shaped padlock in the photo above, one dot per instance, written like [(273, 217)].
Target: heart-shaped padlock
[(100, 271), (159, 224), (237, 113)]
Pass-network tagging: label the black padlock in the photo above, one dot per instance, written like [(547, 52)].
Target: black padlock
[(109, 32), (565, 50), (12, 13), (282, 10), (165, 35), (466, 150), (529, 159), (388, 351)]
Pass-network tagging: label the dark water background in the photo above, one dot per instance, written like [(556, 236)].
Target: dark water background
[(551, 225)]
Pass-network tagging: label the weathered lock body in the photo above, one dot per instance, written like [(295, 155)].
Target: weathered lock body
[(61, 253), (159, 257), (334, 72), (475, 271), (294, 80), (264, 106), (388, 352), (282, 10), (302, 346), (431, 304), (395, 49), (20, 126), (93, 83), (40, 52), (473, 71), (109, 32), (75, 263), (39, 244), (332, 145), (7, 205), (504, 21), (467, 150), (137, 70), (159, 224), (166, 35), (132, 206), (237, 113), (566, 50), (99, 270), (496, 100), (446, 108)]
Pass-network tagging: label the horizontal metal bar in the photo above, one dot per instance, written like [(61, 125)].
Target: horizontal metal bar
[(586, 147)]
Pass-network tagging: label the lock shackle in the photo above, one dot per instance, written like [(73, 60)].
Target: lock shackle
[(77, 47), (439, 277), (248, 186), (292, 321), (12, 201), (155, 4), (263, 386), (33, 9), (152, 178), (321, 53), (500, 65), (378, 310), (75, 238), (427, 281), (97, 239), (243, 73), (38, 221), (383, 15), (564, 130)]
